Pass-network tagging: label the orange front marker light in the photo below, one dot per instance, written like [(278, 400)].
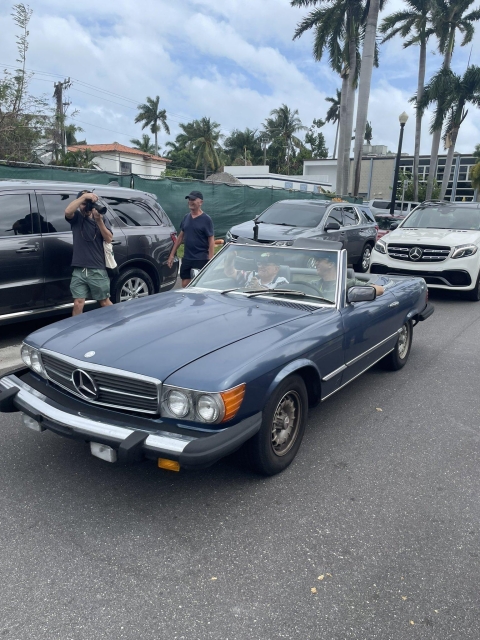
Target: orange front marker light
[(232, 399), (171, 465)]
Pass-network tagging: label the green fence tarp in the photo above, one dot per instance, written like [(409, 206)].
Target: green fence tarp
[(227, 205)]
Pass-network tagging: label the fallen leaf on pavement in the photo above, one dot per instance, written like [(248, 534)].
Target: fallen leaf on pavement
[(321, 577), (378, 409), (412, 622), (313, 590), (404, 597), (214, 578)]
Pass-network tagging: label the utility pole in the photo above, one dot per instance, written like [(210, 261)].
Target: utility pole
[(60, 112)]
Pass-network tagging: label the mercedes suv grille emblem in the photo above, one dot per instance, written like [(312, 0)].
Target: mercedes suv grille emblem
[(415, 253), (85, 384)]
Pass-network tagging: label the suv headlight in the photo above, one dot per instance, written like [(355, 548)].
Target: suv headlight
[(32, 358), (380, 246), (464, 250), (201, 406)]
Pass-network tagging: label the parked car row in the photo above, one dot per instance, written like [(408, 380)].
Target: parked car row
[(36, 246)]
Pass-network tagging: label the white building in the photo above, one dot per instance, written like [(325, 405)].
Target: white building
[(259, 176), (117, 158)]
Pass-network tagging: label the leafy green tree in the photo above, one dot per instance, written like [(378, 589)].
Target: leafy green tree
[(145, 144), (70, 135), (368, 133), (409, 191), (337, 26), (333, 116), (476, 153), (81, 159), (448, 16), (152, 116), (315, 138), (241, 143), (475, 176), (281, 127), (413, 24), (24, 118), (205, 145)]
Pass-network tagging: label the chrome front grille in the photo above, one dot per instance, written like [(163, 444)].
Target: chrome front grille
[(418, 252), (114, 388)]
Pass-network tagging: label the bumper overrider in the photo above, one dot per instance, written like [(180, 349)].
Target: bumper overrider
[(112, 440)]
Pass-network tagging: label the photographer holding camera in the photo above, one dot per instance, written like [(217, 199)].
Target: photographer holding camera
[(90, 229)]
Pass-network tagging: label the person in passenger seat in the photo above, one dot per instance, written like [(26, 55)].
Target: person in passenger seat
[(326, 284)]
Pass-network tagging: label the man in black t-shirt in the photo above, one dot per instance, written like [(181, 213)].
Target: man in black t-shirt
[(196, 233), (90, 229)]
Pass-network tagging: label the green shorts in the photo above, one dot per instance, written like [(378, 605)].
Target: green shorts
[(91, 284)]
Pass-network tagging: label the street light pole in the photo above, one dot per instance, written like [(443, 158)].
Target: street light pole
[(402, 119)]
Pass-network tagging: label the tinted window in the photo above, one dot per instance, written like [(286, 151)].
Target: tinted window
[(447, 217), (336, 215), (53, 215), (368, 215), (350, 217), (294, 215), (381, 204), (384, 223), (133, 213), (15, 216)]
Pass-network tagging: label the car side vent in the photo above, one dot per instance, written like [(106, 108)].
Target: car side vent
[(293, 305)]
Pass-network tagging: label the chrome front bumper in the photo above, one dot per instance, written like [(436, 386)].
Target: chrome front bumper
[(131, 444)]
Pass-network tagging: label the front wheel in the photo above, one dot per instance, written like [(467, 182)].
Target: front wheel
[(364, 262), (274, 447), (399, 356), (131, 284)]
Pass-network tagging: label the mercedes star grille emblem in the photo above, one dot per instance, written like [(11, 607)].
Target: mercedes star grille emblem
[(85, 384), (415, 253)]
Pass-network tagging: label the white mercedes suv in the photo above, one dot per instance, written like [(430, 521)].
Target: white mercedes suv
[(438, 241)]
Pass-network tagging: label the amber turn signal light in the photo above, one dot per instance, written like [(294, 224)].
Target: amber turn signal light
[(171, 465), (232, 399)]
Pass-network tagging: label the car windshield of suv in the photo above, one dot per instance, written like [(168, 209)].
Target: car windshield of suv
[(284, 213), (385, 222), (299, 274), (444, 217)]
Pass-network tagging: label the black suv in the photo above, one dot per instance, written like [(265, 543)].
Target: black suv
[(288, 220), (36, 246)]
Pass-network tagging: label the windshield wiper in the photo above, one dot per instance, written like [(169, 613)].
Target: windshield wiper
[(283, 224), (289, 292)]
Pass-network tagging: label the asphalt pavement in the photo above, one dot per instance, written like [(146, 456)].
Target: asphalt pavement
[(372, 533)]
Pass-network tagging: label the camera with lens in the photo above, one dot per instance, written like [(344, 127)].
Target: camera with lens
[(89, 206)]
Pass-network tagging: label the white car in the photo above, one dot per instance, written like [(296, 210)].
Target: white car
[(439, 242)]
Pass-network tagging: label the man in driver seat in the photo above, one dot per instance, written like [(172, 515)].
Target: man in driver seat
[(266, 276), (326, 284)]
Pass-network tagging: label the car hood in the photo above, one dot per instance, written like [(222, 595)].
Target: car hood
[(157, 335), (434, 236), (267, 232)]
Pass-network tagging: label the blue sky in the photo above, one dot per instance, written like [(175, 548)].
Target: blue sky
[(233, 61)]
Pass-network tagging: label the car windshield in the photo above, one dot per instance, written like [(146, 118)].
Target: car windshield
[(444, 217), (301, 274), (385, 222), (286, 213)]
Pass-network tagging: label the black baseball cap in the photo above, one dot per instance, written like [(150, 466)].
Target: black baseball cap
[(193, 195), (80, 193)]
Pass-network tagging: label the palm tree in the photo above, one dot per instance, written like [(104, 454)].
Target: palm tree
[(70, 137), (368, 133), (413, 24), (241, 143), (154, 117), (451, 93), (447, 17), (145, 144), (333, 116), (337, 29), (368, 61), (283, 124), (206, 143)]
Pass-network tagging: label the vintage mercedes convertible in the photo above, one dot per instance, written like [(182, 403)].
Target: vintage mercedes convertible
[(236, 359)]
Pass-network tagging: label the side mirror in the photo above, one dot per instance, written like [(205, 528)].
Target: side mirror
[(194, 273), (394, 225), (255, 229), (361, 294), (332, 226)]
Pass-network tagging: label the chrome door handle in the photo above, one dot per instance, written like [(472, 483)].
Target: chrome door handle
[(394, 304), (27, 250), (116, 242)]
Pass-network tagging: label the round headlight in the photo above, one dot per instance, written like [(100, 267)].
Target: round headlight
[(207, 408), (36, 362), (25, 354), (177, 403)]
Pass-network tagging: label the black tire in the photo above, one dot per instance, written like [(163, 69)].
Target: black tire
[(363, 264), (399, 356), (474, 294), (273, 448), (131, 284)]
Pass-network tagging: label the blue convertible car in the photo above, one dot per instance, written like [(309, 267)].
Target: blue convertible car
[(237, 358)]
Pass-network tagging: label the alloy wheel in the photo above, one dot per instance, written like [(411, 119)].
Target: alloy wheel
[(285, 423), (133, 288), (403, 342), (367, 252)]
